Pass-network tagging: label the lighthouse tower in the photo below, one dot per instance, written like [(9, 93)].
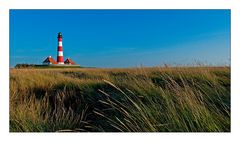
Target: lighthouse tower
[(60, 59)]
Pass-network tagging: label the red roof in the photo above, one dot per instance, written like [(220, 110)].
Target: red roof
[(50, 60), (69, 61)]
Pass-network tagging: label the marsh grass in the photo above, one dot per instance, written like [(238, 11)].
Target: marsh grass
[(180, 99)]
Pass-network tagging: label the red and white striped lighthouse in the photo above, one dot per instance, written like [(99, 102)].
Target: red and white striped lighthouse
[(60, 59)]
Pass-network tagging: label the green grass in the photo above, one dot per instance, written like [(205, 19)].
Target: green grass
[(180, 99)]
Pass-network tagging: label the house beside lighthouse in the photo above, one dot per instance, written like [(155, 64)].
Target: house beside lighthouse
[(49, 61)]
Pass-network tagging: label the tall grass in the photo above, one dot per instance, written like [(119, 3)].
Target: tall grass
[(186, 99)]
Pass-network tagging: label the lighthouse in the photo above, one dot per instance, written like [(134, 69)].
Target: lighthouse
[(49, 61), (60, 59)]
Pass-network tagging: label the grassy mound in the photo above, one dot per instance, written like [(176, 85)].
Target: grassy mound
[(187, 99)]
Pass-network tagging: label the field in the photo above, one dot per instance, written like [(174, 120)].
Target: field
[(159, 99)]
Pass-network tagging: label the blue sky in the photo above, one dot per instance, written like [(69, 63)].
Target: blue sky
[(122, 38)]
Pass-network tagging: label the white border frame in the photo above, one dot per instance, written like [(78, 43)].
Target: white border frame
[(234, 5)]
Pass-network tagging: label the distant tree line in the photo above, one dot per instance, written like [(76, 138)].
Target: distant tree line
[(19, 66)]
